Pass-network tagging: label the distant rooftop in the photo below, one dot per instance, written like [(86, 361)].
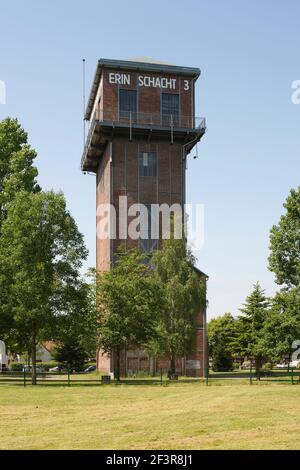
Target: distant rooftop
[(139, 64), (147, 60)]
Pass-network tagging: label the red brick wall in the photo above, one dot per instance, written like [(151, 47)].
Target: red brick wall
[(149, 98), (166, 187), (102, 197), (121, 177)]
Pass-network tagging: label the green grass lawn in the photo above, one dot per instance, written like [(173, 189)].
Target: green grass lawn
[(226, 415)]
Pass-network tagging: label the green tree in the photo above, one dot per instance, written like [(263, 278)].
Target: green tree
[(41, 253), (128, 302), (221, 335), (184, 295), (282, 326), (250, 326), (17, 172), (221, 359), (284, 259), (71, 354), (76, 326)]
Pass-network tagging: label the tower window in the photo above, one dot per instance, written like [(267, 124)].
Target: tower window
[(170, 108), (147, 164), (127, 103)]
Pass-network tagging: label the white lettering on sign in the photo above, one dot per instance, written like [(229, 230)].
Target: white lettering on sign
[(186, 86), (119, 78), (146, 81), (157, 82)]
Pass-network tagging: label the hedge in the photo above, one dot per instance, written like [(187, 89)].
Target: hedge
[(18, 366)]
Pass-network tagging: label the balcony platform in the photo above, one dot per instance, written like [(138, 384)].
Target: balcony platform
[(102, 129)]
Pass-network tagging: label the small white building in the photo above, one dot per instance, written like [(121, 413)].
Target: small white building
[(43, 352)]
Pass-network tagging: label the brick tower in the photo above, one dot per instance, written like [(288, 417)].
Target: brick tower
[(142, 126)]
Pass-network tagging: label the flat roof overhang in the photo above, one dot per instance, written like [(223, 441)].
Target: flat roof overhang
[(129, 65)]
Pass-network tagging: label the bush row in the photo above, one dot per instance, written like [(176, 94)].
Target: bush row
[(18, 366)]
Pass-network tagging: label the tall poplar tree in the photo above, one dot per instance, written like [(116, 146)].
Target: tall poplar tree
[(184, 296)]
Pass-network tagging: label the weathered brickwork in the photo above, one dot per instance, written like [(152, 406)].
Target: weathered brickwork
[(114, 145)]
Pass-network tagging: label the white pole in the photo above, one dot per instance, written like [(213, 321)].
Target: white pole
[(2, 354)]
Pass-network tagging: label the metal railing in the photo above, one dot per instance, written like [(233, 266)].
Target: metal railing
[(84, 379), (50, 378), (152, 119)]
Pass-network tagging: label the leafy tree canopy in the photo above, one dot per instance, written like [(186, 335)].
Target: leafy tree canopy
[(222, 330), (221, 335), (282, 325), (17, 172), (184, 295), (128, 302), (41, 253), (284, 259)]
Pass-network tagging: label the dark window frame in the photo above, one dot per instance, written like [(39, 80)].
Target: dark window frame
[(130, 107), (149, 170), (169, 113)]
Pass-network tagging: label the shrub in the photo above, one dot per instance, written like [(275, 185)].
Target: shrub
[(47, 365), (221, 359), (139, 375), (17, 366)]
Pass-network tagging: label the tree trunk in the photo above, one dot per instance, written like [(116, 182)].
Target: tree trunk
[(290, 357), (173, 364), (97, 359), (117, 371), (153, 366), (33, 360), (258, 364)]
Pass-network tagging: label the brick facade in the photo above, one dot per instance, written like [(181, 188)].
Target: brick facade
[(112, 152)]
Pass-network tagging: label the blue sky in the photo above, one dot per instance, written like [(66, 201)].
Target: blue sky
[(248, 52)]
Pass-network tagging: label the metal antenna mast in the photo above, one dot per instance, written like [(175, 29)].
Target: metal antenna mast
[(83, 98)]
